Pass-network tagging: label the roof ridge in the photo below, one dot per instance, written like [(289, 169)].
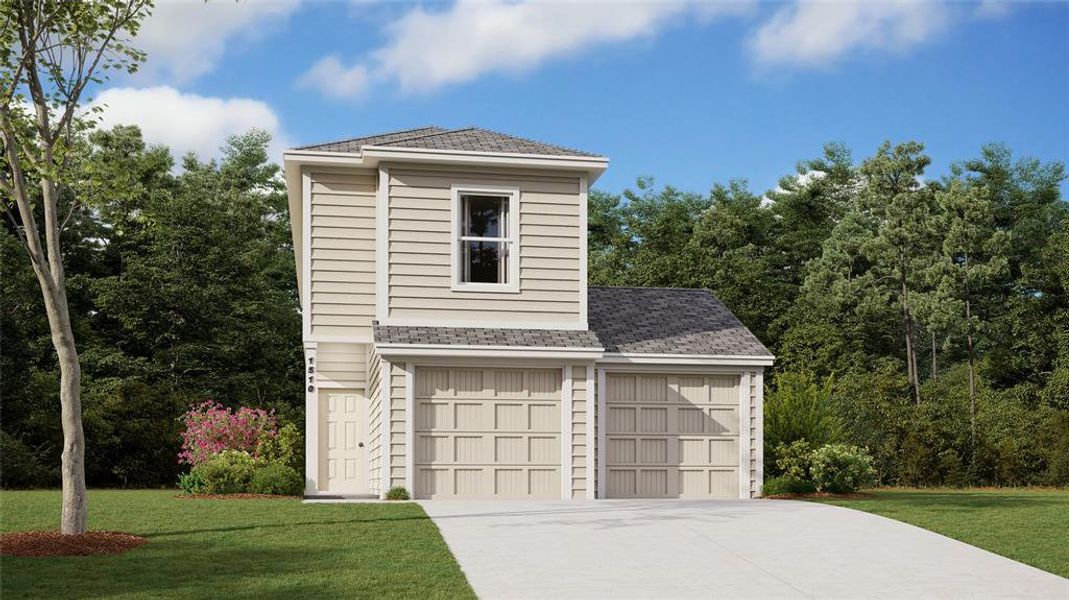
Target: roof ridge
[(362, 137), (649, 287)]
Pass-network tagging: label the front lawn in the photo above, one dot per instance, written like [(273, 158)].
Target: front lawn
[(236, 549), (1027, 525)]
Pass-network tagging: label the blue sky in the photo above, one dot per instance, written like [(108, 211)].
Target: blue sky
[(691, 94)]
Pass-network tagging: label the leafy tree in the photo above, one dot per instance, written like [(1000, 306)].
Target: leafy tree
[(52, 51)]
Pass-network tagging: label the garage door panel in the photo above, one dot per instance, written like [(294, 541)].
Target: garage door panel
[(671, 435), (488, 433)]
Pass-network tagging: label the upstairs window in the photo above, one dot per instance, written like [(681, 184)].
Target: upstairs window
[(486, 249)]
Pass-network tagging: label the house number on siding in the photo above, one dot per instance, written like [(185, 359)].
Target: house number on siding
[(311, 374)]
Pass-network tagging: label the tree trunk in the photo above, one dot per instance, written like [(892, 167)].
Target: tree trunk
[(972, 371), (935, 366), (911, 351)]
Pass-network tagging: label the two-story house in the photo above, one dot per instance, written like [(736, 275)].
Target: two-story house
[(454, 348)]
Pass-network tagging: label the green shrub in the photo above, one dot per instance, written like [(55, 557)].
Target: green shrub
[(397, 493), (798, 407), (277, 479), (228, 472), (794, 460), (191, 483), (841, 469), (784, 485), (285, 447)]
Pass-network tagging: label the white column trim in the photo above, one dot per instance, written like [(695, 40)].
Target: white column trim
[(744, 435), (566, 432), (759, 391), (385, 451), (410, 428), (591, 443), (311, 421), (602, 471), (306, 254), (382, 245), (583, 210)]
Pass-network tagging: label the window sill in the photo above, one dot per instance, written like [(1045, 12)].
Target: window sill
[(492, 288)]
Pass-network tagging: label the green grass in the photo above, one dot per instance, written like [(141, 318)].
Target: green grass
[(1027, 525), (236, 549)]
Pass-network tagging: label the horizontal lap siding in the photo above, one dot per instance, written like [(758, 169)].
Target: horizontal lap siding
[(420, 246), (397, 425), (343, 252), (580, 445), (374, 438), (341, 365)]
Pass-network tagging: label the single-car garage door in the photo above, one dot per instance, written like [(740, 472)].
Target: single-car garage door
[(672, 435), (488, 433)]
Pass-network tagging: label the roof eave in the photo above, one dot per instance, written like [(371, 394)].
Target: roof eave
[(689, 359)]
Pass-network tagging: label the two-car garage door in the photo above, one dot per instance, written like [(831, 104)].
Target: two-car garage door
[(670, 435), (488, 433)]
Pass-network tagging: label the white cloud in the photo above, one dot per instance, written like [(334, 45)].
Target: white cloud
[(188, 122), (818, 33), (186, 38), (334, 79), (428, 50)]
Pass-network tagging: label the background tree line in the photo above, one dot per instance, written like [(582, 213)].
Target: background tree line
[(925, 320), (182, 287)]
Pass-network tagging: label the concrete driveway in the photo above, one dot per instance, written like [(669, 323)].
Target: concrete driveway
[(717, 549)]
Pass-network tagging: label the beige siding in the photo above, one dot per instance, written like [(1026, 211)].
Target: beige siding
[(752, 394), (672, 435), (342, 365), (374, 441), (580, 445), (397, 425), (342, 224), (420, 246), (488, 433)]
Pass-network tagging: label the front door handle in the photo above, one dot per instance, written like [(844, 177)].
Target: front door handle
[(360, 445)]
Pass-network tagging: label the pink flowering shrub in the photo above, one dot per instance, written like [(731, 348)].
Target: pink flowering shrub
[(211, 428)]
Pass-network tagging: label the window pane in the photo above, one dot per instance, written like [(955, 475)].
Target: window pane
[(485, 216), (484, 262)]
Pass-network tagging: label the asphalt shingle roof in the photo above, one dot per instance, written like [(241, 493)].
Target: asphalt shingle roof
[(473, 139), (622, 319), (668, 321)]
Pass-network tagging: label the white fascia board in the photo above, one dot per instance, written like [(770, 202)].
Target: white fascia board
[(688, 359), (371, 156), (405, 350)]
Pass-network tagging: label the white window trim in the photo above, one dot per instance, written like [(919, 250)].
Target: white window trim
[(513, 194)]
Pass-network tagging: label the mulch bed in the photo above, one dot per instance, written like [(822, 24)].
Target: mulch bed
[(853, 496), (235, 497), (53, 543)]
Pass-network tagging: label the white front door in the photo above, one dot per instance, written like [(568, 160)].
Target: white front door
[(342, 427)]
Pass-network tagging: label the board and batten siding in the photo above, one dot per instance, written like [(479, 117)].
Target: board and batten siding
[(342, 246), (420, 245)]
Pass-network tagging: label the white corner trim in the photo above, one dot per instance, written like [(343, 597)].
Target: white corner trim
[(512, 286), (385, 437), (410, 428), (583, 284), (306, 254), (382, 245), (311, 421), (744, 435), (688, 359), (759, 390), (601, 448), (591, 443), (566, 432)]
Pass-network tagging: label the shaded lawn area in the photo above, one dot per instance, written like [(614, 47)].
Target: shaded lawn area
[(1027, 525), (235, 549)]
